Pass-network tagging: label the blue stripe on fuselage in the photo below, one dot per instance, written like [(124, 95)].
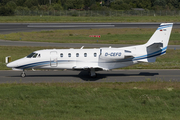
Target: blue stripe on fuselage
[(146, 56), (26, 66)]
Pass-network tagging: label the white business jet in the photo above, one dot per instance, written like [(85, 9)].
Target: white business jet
[(94, 60)]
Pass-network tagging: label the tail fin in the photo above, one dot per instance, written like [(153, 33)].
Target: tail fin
[(157, 44), (161, 35)]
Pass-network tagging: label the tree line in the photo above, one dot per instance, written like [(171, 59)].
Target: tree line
[(8, 7)]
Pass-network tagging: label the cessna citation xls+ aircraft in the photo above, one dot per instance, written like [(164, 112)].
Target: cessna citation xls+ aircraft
[(95, 59)]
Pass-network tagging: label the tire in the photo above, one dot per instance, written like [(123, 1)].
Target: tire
[(23, 75)]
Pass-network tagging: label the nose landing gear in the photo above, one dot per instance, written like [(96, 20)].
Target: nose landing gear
[(23, 74)]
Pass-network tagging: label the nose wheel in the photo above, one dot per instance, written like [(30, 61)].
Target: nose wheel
[(23, 74)]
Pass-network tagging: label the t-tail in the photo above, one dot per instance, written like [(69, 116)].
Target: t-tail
[(161, 35), (157, 44)]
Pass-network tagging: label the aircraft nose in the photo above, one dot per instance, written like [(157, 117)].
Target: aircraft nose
[(11, 65)]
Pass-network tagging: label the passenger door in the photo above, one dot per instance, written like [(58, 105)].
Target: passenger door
[(53, 59)]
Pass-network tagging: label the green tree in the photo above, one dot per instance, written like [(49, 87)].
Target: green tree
[(159, 3), (11, 4), (133, 3), (74, 4), (20, 2), (95, 7), (30, 3), (57, 6), (4, 2), (20, 8), (79, 4), (6, 11), (43, 7), (146, 4), (43, 2), (174, 4), (120, 5), (89, 3)]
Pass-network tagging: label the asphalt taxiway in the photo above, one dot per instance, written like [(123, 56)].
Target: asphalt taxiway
[(66, 45), (6, 28), (102, 76)]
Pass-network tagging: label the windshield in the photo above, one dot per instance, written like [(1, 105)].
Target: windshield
[(30, 55), (34, 55)]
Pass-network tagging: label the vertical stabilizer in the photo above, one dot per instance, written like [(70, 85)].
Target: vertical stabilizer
[(157, 44), (161, 35)]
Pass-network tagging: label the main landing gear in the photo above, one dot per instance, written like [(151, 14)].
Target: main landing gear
[(92, 73), (23, 74)]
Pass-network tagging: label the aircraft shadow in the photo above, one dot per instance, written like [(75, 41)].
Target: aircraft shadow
[(85, 76)]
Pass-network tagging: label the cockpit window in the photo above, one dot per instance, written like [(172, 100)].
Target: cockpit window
[(32, 55), (35, 55)]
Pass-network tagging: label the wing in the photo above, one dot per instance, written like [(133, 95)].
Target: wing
[(97, 68)]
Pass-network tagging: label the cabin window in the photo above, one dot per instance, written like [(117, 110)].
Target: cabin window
[(85, 54), (95, 54), (77, 54), (127, 51), (61, 55), (69, 54)]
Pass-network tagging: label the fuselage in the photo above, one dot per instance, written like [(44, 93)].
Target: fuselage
[(69, 59), (80, 59)]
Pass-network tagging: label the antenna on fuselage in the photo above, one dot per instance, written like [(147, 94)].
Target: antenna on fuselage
[(82, 47)]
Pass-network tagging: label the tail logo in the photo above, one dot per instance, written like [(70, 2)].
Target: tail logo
[(162, 27)]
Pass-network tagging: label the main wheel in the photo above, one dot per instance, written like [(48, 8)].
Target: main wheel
[(92, 76)]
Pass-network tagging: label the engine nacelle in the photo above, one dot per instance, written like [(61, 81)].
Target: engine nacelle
[(112, 54)]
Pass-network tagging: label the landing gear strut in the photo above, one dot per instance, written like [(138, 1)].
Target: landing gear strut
[(23, 74), (92, 72)]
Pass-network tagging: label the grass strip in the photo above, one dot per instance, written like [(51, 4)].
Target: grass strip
[(171, 60), (86, 101), (65, 19), (108, 36)]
